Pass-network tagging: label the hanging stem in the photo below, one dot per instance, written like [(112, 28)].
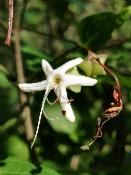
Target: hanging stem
[(111, 73), (10, 22)]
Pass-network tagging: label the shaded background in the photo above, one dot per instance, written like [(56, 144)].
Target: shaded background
[(60, 30)]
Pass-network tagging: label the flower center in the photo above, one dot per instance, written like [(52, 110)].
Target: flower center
[(57, 79)]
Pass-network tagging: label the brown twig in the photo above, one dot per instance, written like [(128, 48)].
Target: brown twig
[(112, 111), (10, 22), (26, 114)]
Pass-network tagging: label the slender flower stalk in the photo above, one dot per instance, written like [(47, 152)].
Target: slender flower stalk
[(58, 81)]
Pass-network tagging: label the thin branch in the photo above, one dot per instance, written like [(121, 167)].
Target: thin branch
[(48, 35), (110, 73), (115, 108), (57, 60), (10, 22), (110, 44), (26, 114), (115, 42)]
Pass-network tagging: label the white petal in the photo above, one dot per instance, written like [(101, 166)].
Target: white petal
[(65, 104), (30, 87), (70, 80), (70, 64), (46, 67)]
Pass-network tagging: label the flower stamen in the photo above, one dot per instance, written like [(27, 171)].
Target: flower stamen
[(40, 115), (52, 103), (57, 79)]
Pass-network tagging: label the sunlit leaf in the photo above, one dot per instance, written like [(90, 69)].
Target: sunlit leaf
[(5, 82), (77, 88), (61, 124), (14, 145), (7, 125), (16, 166), (91, 68), (48, 171)]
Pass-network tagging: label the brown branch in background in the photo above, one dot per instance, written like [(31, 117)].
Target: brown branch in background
[(50, 35), (10, 22), (115, 108), (115, 42), (26, 114)]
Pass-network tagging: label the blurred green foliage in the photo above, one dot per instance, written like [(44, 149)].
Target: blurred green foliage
[(58, 31)]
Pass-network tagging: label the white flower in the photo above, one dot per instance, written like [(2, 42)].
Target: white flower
[(58, 81)]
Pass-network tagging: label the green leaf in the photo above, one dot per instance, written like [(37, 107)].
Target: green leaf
[(5, 82), (9, 90), (16, 166), (91, 68), (61, 124), (86, 66), (124, 81), (96, 29), (36, 53), (3, 70), (77, 88), (76, 6), (14, 145), (33, 17), (48, 171), (7, 125), (8, 97)]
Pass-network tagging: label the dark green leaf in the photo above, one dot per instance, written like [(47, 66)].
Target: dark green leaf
[(59, 7), (125, 81), (96, 29)]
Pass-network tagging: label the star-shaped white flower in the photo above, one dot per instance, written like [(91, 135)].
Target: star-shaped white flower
[(58, 81)]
